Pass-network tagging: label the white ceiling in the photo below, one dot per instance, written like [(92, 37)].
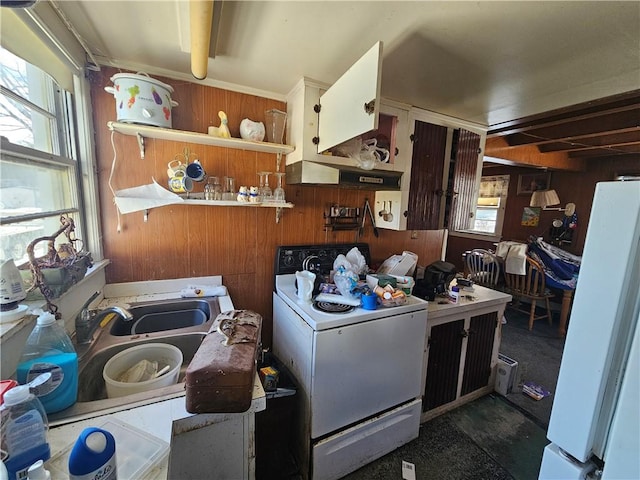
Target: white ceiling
[(486, 62)]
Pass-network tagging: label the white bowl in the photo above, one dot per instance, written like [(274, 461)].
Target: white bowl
[(163, 353)]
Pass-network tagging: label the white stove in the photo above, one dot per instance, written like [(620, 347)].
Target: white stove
[(318, 320), (359, 373)]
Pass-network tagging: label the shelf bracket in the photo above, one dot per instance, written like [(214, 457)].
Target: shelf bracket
[(278, 214), (140, 144), (278, 161), (145, 218)]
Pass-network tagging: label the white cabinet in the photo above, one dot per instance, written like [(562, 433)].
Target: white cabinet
[(427, 190), (321, 118), (461, 353)]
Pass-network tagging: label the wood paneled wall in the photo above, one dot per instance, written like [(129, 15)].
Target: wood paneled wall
[(238, 243)]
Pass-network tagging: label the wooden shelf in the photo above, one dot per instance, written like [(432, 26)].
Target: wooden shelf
[(198, 200), (144, 131)]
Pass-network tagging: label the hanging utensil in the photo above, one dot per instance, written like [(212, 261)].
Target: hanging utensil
[(388, 217), (371, 217), (383, 212)]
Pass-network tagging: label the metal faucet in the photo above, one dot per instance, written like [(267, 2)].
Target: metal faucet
[(88, 321)]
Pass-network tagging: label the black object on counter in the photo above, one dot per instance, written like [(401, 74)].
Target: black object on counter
[(437, 277)]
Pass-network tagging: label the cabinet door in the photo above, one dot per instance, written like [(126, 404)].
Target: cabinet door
[(461, 197), (343, 115), (427, 171), (443, 364), (477, 366)]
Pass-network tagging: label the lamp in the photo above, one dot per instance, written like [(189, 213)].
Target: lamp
[(542, 198)]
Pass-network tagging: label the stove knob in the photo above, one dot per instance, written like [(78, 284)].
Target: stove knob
[(288, 260)]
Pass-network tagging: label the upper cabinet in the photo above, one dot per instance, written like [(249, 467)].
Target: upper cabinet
[(440, 183), (350, 106), (322, 118)]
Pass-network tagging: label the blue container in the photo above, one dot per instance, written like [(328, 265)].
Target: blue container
[(49, 349), (24, 431), (93, 456)]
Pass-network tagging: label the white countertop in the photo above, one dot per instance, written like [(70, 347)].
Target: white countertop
[(470, 299), (156, 419)]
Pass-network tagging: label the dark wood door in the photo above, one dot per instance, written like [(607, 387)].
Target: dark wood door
[(427, 169), (477, 367), (443, 364)]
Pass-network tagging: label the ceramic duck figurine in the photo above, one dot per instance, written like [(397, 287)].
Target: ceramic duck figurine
[(223, 129)]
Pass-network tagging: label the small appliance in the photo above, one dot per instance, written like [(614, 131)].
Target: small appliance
[(11, 293), (437, 277)]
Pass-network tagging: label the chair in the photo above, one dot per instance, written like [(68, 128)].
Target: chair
[(530, 286), (483, 267)]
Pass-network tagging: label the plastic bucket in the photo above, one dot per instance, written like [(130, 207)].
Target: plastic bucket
[(163, 353)]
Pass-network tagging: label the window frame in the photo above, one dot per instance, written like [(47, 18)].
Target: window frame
[(497, 234), (71, 134)]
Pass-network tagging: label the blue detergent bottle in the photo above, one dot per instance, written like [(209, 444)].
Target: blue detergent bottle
[(49, 349), (93, 456), (24, 431)]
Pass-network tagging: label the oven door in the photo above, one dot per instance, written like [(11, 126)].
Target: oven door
[(366, 368)]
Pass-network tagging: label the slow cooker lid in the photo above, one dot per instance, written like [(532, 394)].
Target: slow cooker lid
[(139, 77)]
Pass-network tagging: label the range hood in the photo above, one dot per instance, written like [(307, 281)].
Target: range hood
[(319, 174)]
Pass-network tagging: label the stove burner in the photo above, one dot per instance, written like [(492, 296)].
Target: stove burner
[(327, 307)]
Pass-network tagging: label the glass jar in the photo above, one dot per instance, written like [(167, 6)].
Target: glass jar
[(213, 189)]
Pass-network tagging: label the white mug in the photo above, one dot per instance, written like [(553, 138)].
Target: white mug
[(175, 166), (305, 281)]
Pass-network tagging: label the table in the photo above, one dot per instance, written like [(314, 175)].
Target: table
[(567, 298)]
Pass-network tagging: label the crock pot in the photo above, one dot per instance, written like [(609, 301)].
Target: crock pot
[(142, 99)]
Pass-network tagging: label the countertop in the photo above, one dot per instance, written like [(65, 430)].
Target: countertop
[(155, 419)]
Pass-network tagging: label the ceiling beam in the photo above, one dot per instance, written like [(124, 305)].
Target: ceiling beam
[(530, 155)]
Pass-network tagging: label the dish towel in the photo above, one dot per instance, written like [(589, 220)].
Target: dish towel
[(194, 291), (516, 261)]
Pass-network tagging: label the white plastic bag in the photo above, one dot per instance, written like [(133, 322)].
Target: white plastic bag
[(346, 281), (354, 261)]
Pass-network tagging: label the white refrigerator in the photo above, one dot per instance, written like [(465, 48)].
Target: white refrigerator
[(595, 419)]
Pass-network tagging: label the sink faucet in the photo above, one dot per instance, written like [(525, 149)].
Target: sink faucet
[(88, 321)]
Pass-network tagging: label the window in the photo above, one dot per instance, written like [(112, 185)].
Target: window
[(492, 199), (38, 165)]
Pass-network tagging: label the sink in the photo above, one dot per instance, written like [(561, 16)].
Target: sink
[(163, 316), (182, 322), (91, 386)]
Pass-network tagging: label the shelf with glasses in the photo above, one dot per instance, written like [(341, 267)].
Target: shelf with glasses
[(198, 199), (144, 131)]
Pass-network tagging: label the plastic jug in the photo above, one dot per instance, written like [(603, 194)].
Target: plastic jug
[(24, 431), (49, 349), (93, 456)]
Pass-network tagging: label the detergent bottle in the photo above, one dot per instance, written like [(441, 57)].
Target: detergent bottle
[(24, 431), (93, 456), (49, 349)]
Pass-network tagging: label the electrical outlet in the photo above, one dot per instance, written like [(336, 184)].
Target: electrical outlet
[(414, 234)]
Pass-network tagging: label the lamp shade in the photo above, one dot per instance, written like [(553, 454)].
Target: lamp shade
[(551, 198), (537, 199), (544, 198)]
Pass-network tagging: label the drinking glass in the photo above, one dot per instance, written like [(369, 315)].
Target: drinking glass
[(275, 121), (265, 190), (213, 189), (278, 193), (229, 189)]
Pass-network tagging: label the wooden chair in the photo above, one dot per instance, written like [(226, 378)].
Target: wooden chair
[(530, 286), (483, 267)]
